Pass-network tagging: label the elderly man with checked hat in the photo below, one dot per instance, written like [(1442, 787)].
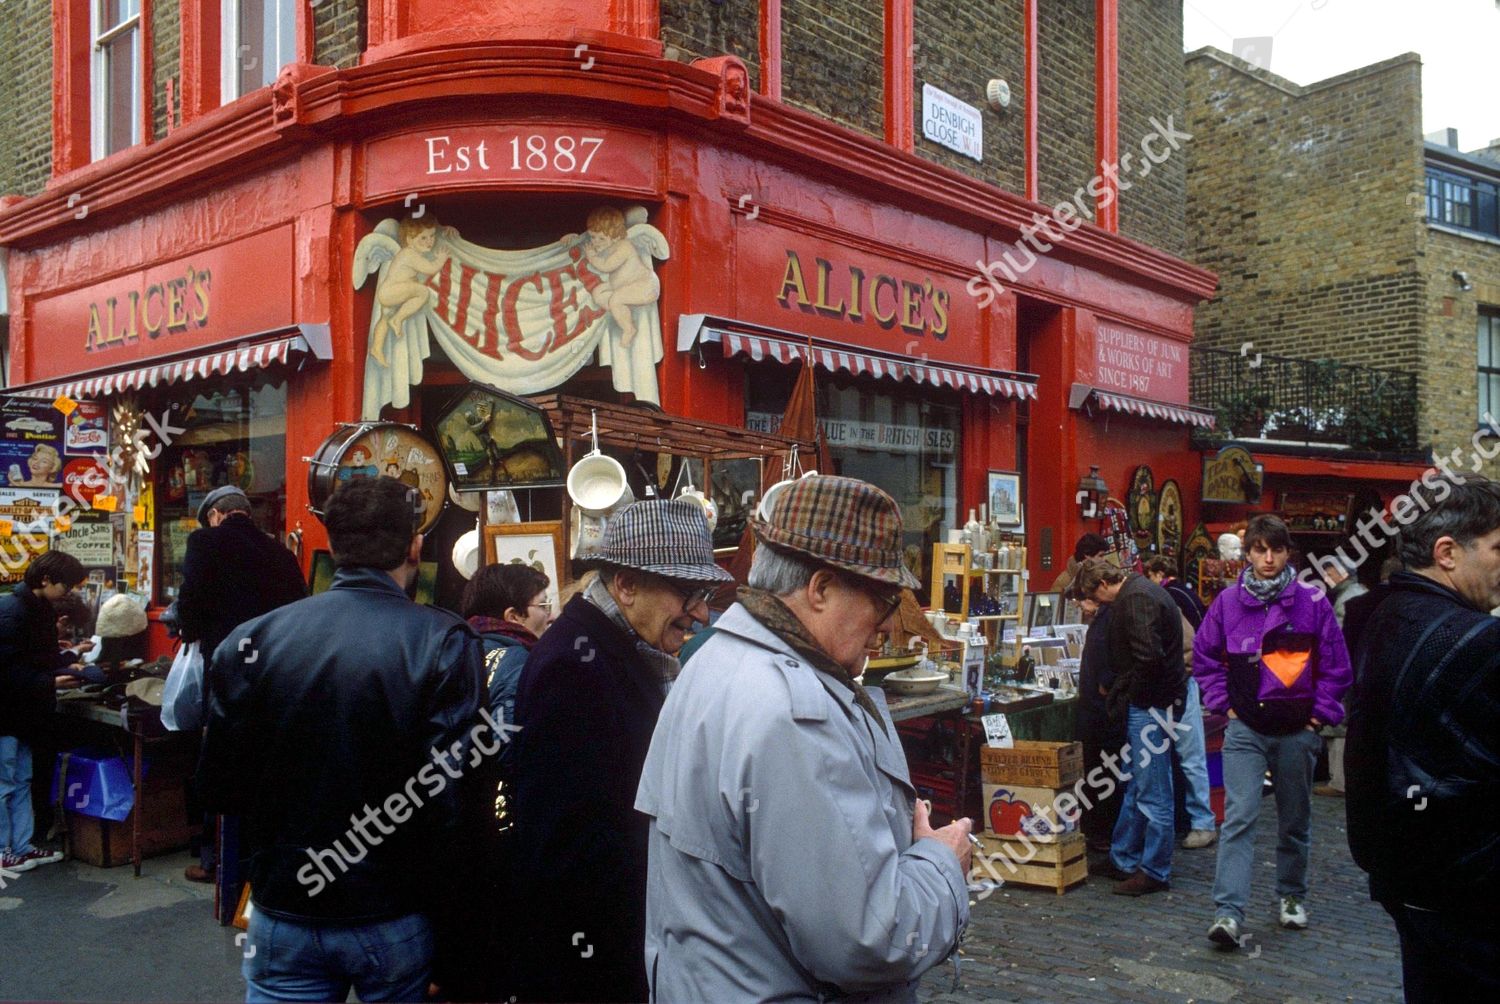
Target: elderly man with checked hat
[(586, 705), (789, 856)]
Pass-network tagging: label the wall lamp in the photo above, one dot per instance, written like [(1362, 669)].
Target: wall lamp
[(1462, 278), (1092, 493)]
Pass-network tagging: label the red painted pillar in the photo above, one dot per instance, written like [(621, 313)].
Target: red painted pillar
[(200, 58), (1106, 109), (1029, 129), (898, 75), (70, 86), (770, 48)]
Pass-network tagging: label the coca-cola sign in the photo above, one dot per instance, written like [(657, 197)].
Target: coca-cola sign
[(83, 479)]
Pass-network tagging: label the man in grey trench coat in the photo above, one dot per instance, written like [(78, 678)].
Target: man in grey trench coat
[(789, 858)]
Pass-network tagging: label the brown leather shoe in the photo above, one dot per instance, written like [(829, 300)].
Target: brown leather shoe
[(1140, 884), (1328, 791), (197, 873)]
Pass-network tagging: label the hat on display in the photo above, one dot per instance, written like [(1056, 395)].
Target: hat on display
[(120, 617), (664, 537), (845, 523), (148, 689), (231, 496)]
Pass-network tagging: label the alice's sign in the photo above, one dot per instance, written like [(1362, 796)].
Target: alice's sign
[(162, 307), (916, 306), (523, 321)]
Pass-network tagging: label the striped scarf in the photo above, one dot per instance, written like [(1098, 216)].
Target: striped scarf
[(665, 666), (1265, 590)]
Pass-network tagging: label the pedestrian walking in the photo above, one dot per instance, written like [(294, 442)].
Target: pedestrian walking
[(1343, 588), (509, 607), (790, 857), (1269, 655), (31, 664), (1145, 654), (1096, 730), (588, 701), (231, 572), (339, 729), (1424, 743), (1189, 751)]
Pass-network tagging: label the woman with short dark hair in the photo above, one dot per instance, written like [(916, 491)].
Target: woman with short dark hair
[(509, 607)]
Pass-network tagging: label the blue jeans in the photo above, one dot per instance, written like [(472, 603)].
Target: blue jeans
[(1247, 757), (16, 822), (390, 960), (1145, 831), (1194, 759)]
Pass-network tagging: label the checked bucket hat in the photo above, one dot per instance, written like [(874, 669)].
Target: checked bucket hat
[(664, 537), (842, 522)]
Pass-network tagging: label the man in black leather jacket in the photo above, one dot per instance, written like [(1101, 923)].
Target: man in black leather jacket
[(1423, 751), (340, 727)]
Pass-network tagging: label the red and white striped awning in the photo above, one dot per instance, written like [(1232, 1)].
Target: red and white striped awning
[(1178, 413), (240, 358), (837, 359)]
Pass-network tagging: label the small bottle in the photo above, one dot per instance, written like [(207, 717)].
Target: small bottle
[(972, 532)]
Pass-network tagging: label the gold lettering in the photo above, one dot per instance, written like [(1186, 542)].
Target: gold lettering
[(95, 339), (911, 307), (792, 280), (823, 306), (152, 328), (176, 315), (884, 320), (940, 314), (130, 332), (200, 290), (856, 294)]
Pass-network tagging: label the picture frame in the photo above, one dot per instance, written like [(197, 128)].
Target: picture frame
[(320, 572), (1046, 609), (1003, 495), (537, 544)]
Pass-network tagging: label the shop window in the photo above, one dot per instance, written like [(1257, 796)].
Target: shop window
[(116, 30), (235, 433), (1489, 366), (259, 38), (903, 440)]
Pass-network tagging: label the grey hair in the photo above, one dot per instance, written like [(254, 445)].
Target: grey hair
[(780, 572)]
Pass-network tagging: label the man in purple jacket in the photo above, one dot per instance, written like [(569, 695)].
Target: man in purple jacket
[(1269, 654)]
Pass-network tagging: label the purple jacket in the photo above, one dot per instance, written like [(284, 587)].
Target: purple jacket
[(1277, 665)]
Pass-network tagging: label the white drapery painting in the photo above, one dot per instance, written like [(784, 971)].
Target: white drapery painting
[(523, 321)]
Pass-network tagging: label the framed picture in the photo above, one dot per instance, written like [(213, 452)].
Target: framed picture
[(539, 545), (1046, 610), (1004, 493), (1072, 613), (320, 577)]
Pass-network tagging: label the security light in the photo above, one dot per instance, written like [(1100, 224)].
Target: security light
[(1462, 278)]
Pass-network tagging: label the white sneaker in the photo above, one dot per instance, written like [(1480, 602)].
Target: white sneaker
[(1226, 932), (1199, 838), (1293, 916)]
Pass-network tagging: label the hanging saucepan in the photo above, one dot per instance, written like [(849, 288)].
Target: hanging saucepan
[(597, 483)]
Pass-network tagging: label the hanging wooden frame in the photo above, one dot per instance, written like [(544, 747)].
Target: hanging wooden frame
[(1140, 507), (1169, 523)]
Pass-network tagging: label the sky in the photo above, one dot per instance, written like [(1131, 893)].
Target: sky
[(1312, 40)]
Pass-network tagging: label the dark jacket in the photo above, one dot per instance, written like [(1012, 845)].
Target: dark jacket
[(332, 709), (1145, 647), (1092, 723), (231, 573), (505, 654), (1422, 756), (1187, 601), (1277, 665), (587, 707), (29, 661)]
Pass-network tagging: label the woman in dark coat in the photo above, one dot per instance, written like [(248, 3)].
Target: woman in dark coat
[(1096, 730)]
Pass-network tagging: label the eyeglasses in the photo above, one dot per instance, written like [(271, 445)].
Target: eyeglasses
[(885, 602), (692, 595), (544, 605)]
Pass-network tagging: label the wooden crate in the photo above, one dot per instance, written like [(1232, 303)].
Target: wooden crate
[(1033, 763), (1057, 866)]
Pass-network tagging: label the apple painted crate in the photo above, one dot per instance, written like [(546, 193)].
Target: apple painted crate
[(1058, 866), (1012, 810), (1032, 763)]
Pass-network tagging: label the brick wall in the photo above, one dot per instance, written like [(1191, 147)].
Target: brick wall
[(1297, 198), (695, 29), (1153, 210), (25, 96), (959, 48), (1065, 97), (166, 56), (832, 60), (1450, 411), (339, 32)]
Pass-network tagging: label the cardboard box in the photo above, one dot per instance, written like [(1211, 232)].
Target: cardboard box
[(1016, 810), (1033, 763)]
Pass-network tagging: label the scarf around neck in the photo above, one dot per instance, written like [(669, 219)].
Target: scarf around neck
[(1265, 590), (665, 666), (775, 617), (485, 624)]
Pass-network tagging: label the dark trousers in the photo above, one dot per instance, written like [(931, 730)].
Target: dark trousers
[(1446, 957), (1099, 735)]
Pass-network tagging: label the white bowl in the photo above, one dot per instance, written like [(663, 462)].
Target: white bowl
[(466, 554), (597, 483), (913, 682)]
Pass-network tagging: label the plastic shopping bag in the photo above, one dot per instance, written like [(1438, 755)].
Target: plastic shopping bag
[(182, 698)]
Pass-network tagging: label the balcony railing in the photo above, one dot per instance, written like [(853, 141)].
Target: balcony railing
[(1312, 402)]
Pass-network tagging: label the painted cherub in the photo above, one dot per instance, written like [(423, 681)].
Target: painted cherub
[(629, 280), (403, 291)]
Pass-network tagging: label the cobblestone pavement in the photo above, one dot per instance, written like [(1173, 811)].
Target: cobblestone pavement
[(1090, 945)]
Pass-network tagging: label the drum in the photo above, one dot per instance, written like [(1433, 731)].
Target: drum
[(368, 449)]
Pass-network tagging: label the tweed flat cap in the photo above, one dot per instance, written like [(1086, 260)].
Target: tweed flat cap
[(665, 537), (843, 522)]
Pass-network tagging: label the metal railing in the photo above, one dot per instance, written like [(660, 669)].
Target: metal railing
[(1258, 396)]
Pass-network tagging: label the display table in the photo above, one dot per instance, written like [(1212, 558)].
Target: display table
[(1051, 722), (142, 725), (940, 701)]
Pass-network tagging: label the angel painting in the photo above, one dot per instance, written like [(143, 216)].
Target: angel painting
[(629, 280), (402, 289)]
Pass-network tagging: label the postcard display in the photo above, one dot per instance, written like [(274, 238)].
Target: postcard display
[(57, 494)]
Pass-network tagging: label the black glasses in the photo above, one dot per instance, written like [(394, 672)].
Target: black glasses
[(885, 602), (692, 595)]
